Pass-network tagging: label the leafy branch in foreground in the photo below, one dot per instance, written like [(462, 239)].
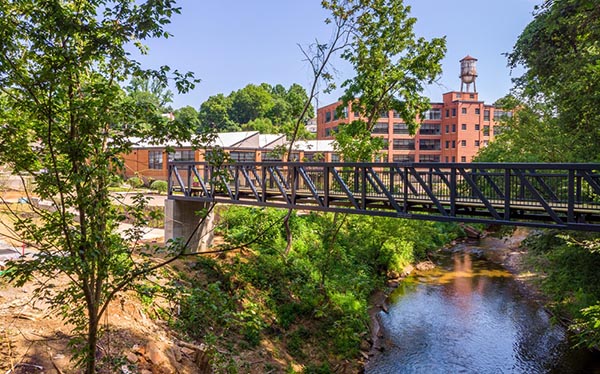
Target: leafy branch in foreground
[(65, 121), (391, 68)]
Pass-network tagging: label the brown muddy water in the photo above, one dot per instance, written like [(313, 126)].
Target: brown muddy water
[(468, 316)]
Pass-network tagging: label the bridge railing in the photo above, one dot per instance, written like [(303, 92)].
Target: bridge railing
[(563, 194)]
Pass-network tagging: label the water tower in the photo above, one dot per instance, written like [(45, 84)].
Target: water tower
[(468, 73)]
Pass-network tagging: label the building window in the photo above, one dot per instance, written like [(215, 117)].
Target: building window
[(486, 130), (380, 128), (485, 143), (476, 143), (476, 127), (271, 156), (433, 114), (446, 158), (463, 143), (182, 156), (447, 129), (429, 145), (345, 112), (477, 111), (404, 144), (458, 96), (454, 127), (429, 158), (396, 114), (453, 159), (454, 144), (453, 112), (486, 115), (463, 126), (328, 131), (463, 159), (400, 128), (497, 130), (356, 114), (335, 157), (385, 145), (471, 96), (384, 114), (430, 129), (447, 144), (464, 110), (447, 113), (499, 114), (244, 156), (313, 157), (403, 158), (327, 116), (335, 114), (155, 160)]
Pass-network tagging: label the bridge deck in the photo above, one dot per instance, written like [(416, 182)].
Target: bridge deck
[(540, 195)]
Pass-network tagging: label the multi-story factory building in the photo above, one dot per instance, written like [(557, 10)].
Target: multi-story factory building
[(451, 131)]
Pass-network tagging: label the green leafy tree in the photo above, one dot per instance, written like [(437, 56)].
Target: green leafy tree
[(557, 119), (214, 114), (144, 89), (529, 135), (251, 102), (561, 84), (262, 125), (297, 97), (391, 65), (66, 121), (187, 117)]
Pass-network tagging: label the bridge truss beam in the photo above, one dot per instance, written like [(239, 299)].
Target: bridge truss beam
[(563, 196)]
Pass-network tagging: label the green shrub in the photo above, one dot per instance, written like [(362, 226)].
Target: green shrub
[(205, 309), (135, 182), (115, 181), (159, 186)]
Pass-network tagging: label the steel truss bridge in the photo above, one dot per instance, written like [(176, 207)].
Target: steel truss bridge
[(562, 196)]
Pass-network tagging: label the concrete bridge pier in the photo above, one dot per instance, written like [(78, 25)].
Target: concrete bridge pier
[(181, 220)]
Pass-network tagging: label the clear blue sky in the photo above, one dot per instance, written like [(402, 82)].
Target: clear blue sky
[(230, 43)]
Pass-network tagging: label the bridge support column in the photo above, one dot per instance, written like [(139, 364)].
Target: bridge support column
[(181, 220)]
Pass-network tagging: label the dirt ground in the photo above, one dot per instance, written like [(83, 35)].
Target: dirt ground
[(34, 340)]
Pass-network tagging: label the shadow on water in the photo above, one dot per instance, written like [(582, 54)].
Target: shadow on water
[(468, 316)]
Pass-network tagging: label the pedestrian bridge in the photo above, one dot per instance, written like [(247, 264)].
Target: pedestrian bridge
[(562, 196)]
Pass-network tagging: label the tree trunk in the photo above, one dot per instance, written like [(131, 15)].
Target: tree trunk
[(92, 340)]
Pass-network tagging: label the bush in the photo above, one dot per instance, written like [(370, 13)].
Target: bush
[(116, 181), (159, 186), (135, 182)]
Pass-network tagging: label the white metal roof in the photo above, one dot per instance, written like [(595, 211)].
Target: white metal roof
[(314, 145), (270, 140)]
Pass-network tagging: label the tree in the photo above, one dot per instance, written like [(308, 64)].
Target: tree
[(65, 121), (252, 106), (151, 89), (214, 113), (251, 102), (560, 54), (557, 119), (391, 66), (187, 117)]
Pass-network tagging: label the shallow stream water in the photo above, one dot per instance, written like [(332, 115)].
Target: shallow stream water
[(468, 316)]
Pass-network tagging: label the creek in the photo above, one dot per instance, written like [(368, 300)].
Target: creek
[(468, 315)]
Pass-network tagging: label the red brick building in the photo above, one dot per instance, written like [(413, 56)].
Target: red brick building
[(451, 131)]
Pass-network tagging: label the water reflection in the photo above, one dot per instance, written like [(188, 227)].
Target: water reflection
[(467, 316)]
